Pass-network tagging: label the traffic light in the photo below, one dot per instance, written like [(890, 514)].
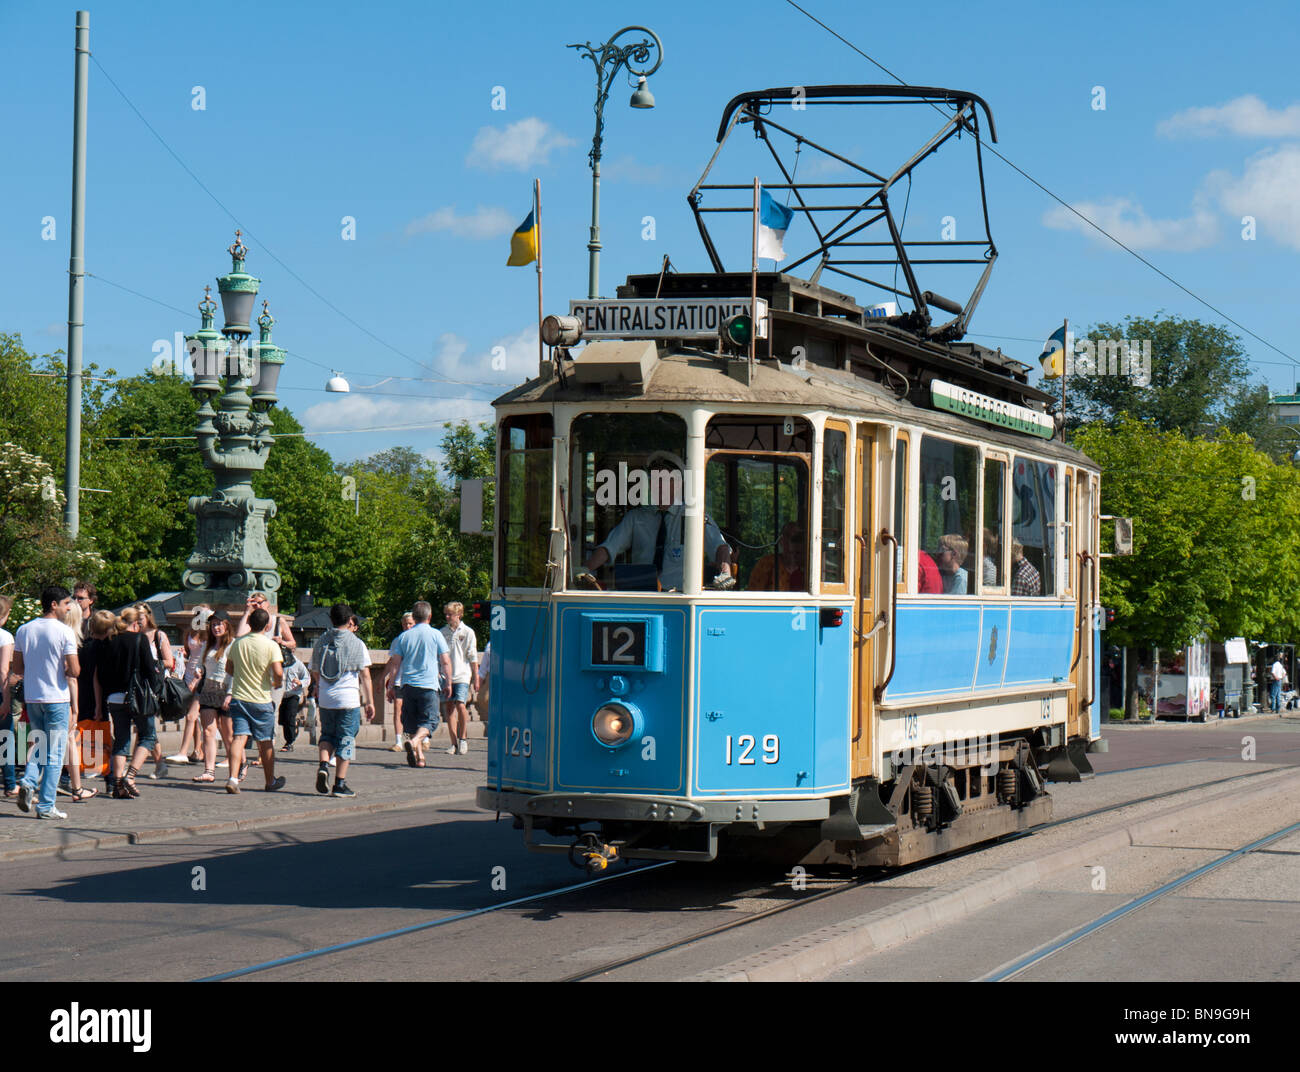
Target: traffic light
[(481, 610), (737, 331)]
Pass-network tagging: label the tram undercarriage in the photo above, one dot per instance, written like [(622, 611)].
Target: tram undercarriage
[(923, 812)]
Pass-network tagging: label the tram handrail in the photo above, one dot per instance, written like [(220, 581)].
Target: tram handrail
[(1084, 558), (888, 537)]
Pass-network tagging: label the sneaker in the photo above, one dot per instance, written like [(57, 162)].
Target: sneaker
[(464, 747), (160, 770), (397, 745), (232, 785), (453, 751), (342, 789), (53, 813), (180, 758), (334, 761), (224, 763), (24, 798), (323, 780), (277, 784)]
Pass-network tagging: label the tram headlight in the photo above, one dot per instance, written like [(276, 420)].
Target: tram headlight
[(615, 723)]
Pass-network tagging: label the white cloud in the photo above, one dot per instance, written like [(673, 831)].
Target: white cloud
[(1129, 222), (520, 145), (360, 410), (1247, 116), (1265, 190), (483, 222), (631, 170)]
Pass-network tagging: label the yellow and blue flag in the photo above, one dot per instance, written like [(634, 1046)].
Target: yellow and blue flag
[(523, 243), (1053, 356)]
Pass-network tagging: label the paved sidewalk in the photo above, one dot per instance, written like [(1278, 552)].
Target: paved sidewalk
[(175, 807)]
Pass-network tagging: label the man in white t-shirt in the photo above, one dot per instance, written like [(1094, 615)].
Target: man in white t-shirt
[(45, 657), (464, 673), (1277, 675)]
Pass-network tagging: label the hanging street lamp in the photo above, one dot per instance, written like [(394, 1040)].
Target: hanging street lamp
[(609, 59)]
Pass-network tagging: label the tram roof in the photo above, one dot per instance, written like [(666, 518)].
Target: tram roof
[(686, 375)]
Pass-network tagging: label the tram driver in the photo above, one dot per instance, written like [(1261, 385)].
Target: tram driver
[(654, 535)]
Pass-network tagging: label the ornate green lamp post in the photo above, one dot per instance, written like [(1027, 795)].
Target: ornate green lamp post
[(230, 558), (609, 59)]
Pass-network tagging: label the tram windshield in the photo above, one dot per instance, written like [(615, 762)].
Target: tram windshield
[(756, 489), (525, 500), (632, 498)]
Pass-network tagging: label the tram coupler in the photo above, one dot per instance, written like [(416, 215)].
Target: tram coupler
[(591, 854)]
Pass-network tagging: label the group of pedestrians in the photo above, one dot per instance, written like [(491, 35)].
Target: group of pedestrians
[(77, 663)]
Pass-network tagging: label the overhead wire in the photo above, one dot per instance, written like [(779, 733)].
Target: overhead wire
[(1061, 201), (262, 244)]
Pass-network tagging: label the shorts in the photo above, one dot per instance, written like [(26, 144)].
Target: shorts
[(339, 726), (459, 692), (419, 709), (255, 720), (146, 729)]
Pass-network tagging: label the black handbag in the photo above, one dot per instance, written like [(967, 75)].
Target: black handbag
[(141, 699), (174, 699)]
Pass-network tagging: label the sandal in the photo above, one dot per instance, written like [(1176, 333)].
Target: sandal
[(83, 793), (207, 776), (10, 794)]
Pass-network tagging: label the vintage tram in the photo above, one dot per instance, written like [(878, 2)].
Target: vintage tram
[(856, 621)]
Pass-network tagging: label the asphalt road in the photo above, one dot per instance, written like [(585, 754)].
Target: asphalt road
[(193, 908)]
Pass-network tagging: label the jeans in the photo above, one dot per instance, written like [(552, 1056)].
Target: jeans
[(124, 721), (1275, 696), (50, 721), (8, 748), (339, 727)]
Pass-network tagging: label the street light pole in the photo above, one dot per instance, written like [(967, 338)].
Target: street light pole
[(76, 284), (636, 58)]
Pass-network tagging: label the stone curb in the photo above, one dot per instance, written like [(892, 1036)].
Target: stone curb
[(1135, 724), (816, 955), (153, 835)]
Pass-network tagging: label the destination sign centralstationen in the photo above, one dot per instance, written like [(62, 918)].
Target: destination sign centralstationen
[(661, 318)]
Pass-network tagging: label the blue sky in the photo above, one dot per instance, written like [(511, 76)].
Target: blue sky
[(383, 112)]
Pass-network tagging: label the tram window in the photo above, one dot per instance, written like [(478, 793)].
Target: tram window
[(625, 467), (783, 435), (949, 511), (525, 507), (994, 535), (1033, 531), (760, 503), (834, 469)]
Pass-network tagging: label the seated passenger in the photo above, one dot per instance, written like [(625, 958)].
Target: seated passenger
[(1025, 579), (783, 570), (654, 535), (952, 553), (927, 574), (991, 564)]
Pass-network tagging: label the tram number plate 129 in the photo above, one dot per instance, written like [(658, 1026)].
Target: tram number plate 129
[(618, 643)]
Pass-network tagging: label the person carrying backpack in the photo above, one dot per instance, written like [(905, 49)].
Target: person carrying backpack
[(341, 677)]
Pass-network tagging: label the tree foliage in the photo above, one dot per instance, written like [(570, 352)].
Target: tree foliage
[(399, 544), (1216, 540), (1199, 383)]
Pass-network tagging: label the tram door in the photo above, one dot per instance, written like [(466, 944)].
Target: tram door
[(864, 552), (1082, 567)]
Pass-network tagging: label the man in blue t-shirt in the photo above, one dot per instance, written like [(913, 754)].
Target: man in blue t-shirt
[(422, 657)]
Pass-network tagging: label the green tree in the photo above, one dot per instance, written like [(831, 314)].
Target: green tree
[(1216, 542), (1200, 383)]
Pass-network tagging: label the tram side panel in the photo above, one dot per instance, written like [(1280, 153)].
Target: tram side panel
[(772, 714), (519, 716)]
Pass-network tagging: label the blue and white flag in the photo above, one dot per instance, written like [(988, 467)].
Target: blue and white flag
[(773, 220)]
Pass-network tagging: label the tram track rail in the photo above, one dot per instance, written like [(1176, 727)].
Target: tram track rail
[(843, 886)]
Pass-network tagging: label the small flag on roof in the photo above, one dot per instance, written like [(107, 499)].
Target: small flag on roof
[(773, 221), (1053, 356), (523, 243)]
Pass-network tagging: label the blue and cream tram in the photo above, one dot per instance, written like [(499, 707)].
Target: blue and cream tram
[(901, 651)]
